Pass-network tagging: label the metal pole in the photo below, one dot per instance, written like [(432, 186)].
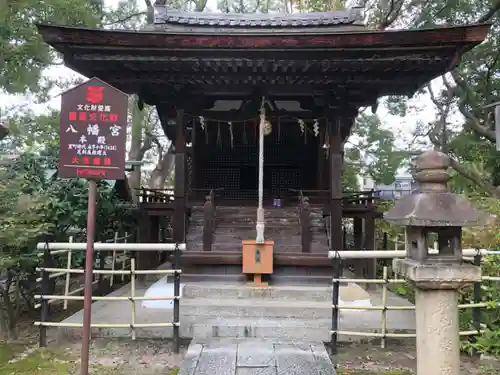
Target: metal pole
[(337, 273), (44, 303), (177, 293), (89, 262), (476, 311)]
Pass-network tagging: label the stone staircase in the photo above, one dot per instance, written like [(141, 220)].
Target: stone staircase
[(237, 223), (287, 312), (227, 311), (234, 310)]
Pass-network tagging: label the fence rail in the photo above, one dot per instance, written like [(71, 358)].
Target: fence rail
[(47, 296), (337, 257), (128, 270), (68, 249)]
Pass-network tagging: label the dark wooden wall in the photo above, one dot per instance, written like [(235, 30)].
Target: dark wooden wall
[(290, 158)]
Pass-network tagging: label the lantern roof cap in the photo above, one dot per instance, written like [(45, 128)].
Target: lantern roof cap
[(434, 205)]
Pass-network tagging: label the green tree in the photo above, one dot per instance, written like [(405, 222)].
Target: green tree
[(463, 128), (23, 54), (21, 220), (377, 154), (35, 206), (352, 170)]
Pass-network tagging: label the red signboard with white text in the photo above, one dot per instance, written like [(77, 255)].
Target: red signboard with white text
[(93, 132)]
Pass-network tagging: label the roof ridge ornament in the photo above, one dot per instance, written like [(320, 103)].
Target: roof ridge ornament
[(160, 12)]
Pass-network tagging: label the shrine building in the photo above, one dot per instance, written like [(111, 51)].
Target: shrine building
[(210, 76)]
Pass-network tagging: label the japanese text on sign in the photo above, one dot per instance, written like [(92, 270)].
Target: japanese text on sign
[(93, 131)]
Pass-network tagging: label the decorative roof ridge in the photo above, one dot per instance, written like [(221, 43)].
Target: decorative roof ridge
[(250, 20)]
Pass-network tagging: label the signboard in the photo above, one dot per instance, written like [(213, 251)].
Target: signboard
[(93, 132)]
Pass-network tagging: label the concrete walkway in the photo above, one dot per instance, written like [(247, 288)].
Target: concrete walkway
[(256, 357)]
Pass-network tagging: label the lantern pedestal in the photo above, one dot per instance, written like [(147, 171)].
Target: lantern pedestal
[(257, 260), (436, 303)]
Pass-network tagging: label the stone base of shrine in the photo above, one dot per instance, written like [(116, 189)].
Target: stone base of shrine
[(232, 309)]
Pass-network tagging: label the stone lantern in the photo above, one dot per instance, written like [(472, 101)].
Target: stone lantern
[(436, 277)]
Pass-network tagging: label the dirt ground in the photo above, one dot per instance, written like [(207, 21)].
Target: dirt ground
[(107, 357), (153, 357), (398, 358)]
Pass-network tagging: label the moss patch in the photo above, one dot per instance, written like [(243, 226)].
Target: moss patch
[(48, 362), (488, 370), (9, 351), (42, 362)]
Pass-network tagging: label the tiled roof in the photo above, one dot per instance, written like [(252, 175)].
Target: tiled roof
[(278, 20)]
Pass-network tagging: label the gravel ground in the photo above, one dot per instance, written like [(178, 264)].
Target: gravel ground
[(145, 357)]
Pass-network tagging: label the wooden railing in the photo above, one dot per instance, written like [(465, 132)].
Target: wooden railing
[(360, 199), (328, 231), (209, 219), (156, 195), (349, 199), (305, 222)]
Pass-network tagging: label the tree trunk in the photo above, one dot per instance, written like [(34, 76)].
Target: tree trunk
[(8, 318), (134, 178), (162, 170)]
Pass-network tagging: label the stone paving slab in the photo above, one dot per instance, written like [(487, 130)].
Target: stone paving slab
[(217, 358), (256, 357)]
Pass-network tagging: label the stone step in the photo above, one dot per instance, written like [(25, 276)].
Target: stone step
[(206, 328), (254, 308), (253, 317), (284, 329), (234, 276), (278, 223), (272, 228), (251, 224), (290, 235), (282, 293)]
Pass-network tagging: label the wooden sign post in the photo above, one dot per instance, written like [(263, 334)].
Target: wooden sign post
[(93, 133)]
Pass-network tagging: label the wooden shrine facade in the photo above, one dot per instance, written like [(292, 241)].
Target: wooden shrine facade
[(228, 158), (208, 73)]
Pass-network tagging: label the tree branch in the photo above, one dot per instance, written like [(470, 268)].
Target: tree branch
[(125, 19), (150, 12), (475, 178), (472, 122), (468, 174), (392, 14), (490, 13), (200, 5)]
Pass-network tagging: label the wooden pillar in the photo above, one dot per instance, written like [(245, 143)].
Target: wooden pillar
[(154, 229), (179, 224), (194, 174), (142, 257), (321, 160), (335, 179)]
